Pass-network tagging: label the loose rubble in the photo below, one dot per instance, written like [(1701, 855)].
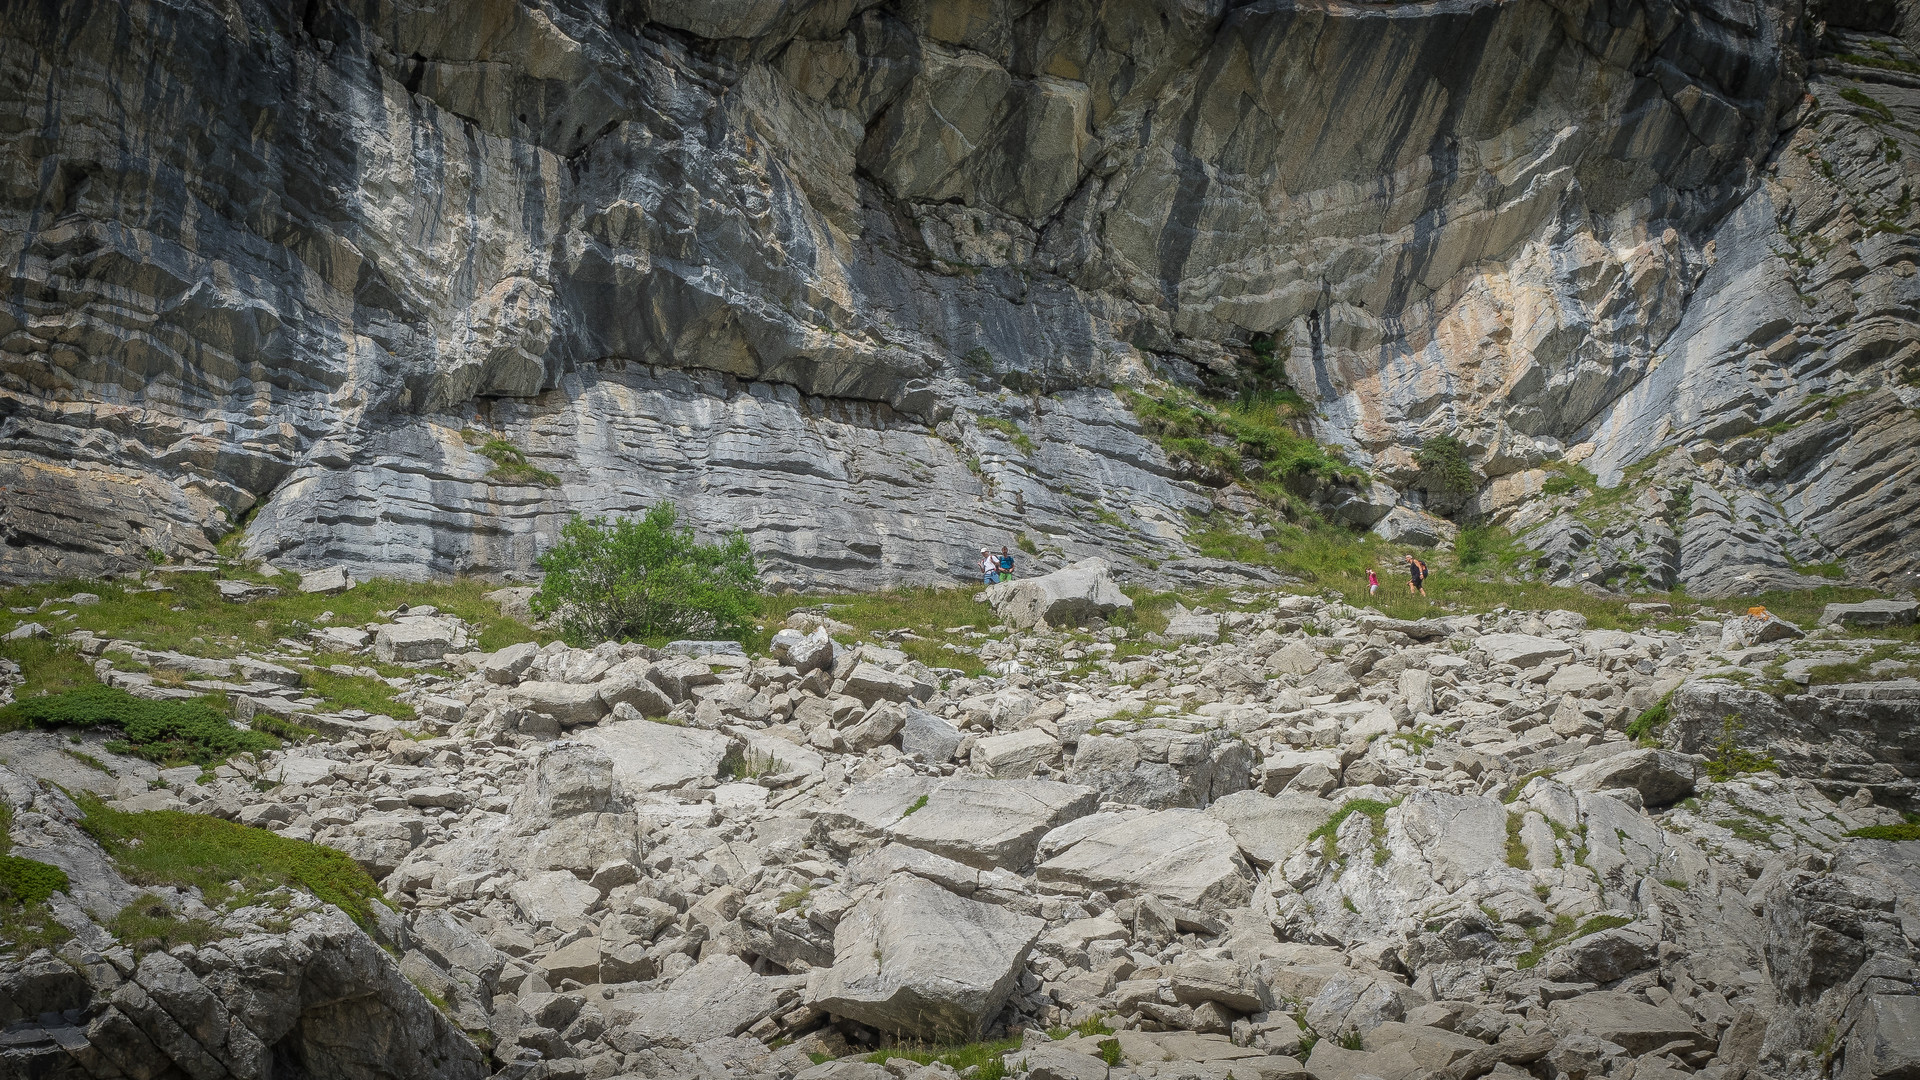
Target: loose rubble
[(1317, 843)]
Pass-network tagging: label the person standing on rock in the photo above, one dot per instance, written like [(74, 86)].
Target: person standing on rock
[(1006, 563), (1373, 582), (1416, 576), (989, 567)]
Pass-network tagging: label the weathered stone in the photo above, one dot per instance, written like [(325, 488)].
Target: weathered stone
[(1660, 776), (1068, 597), (649, 756), (1871, 613), (1270, 828), (928, 735), (992, 823), (332, 579), (413, 639), (1178, 855), (1016, 754), (1521, 650), (914, 958), (1622, 1019)]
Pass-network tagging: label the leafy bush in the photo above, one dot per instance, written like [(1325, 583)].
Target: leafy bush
[(24, 881), (160, 731), (1729, 759), (166, 847), (1888, 832), (1443, 466), (149, 925), (646, 578), (1654, 716)]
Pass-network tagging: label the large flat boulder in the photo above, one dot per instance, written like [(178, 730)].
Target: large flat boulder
[(1622, 1019), (1270, 828), (1660, 776), (1871, 613), (1180, 855), (1067, 597), (648, 756), (718, 998), (993, 823), (1885, 1042), (1521, 650), (422, 638), (915, 959), (1015, 754)]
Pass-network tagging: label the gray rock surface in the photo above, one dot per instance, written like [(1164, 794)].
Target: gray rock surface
[(1068, 597), (891, 261), (917, 960)]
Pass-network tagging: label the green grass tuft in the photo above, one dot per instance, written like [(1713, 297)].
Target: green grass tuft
[(1329, 831), (985, 1056), (149, 925), (220, 858), (1888, 832), (166, 732)]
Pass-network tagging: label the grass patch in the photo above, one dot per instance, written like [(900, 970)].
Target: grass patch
[(164, 732), (985, 1056), (1653, 717), (149, 925), (925, 613), (1092, 1025), (1907, 831), (748, 765), (1516, 850), (355, 692), (1729, 759), (1563, 930), (794, 899), (48, 665), (1008, 430), (1866, 101), (510, 464), (223, 858), (1257, 426), (1329, 831), (206, 625), (26, 923), (917, 804)]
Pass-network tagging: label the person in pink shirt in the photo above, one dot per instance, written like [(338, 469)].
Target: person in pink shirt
[(1373, 581)]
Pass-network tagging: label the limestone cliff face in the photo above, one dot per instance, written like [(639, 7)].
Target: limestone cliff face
[(859, 278)]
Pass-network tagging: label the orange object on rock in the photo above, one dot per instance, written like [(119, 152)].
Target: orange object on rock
[(1759, 613)]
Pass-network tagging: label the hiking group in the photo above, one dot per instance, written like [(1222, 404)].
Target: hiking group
[(996, 568), (1416, 578)]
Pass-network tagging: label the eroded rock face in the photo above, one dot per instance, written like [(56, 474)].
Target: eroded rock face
[(856, 282)]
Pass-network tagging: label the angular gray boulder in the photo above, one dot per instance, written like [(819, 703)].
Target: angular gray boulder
[(1067, 597), (992, 823), (916, 960), (1178, 855), (1660, 776), (1871, 613)]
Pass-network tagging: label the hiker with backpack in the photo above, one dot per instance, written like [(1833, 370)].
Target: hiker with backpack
[(1416, 576), (989, 567), (1006, 564)]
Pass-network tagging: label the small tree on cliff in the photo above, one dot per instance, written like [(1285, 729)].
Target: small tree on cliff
[(645, 577)]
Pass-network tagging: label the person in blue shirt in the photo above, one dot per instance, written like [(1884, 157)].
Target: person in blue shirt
[(1006, 564)]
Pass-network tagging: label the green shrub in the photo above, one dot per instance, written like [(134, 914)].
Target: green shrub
[(1729, 759), (1443, 466), (167, 847), (161, 731), (646, 578), (24, 881), (1655, 716), (1888, 832), (149, 925), (510, 464)]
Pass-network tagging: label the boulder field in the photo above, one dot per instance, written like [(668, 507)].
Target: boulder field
[(1318, 845)]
